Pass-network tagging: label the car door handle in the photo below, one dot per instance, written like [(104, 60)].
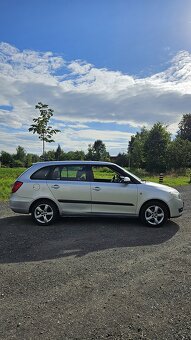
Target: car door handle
[(97, 188), (55, 186)]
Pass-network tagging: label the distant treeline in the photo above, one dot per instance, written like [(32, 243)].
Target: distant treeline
[(152, 150)]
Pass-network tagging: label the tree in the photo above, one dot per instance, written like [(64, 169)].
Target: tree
[(28, 160), (97, 152), (41, 126), (6, 159), (89, 155), (58, 153), (21, 154), (155, 148), (49, 155), (179, 154), (18, 164), (130, 149), (184, 131), (136, 151), (122, 159), (35, 158), (75, 155)]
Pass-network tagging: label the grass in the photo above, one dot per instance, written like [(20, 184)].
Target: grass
[(9, 175), (172, 181), (7, 178)]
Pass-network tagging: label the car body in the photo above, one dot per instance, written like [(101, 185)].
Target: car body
[(49, 189)]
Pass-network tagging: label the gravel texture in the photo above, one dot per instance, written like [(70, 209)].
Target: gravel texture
[(93, 278)]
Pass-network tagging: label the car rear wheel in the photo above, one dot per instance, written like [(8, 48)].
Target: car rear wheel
[(154, 214), (44, 212)]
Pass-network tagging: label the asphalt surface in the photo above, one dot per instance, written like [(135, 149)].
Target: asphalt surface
[(93, 278)]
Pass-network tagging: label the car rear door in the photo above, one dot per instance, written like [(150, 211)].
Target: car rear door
[(70, 187)]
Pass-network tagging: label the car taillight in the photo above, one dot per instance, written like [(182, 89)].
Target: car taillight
[(16, 186)]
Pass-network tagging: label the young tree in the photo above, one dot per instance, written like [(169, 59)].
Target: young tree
[(184, 131), (41, 126)]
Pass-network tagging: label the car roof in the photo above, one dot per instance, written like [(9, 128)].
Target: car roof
[(73, 162)]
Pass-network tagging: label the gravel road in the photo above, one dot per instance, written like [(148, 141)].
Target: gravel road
[(93, 278)]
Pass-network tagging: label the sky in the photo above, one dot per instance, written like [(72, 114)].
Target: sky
[(106, 67)]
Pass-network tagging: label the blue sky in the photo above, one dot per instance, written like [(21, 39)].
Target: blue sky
[(106, 67)]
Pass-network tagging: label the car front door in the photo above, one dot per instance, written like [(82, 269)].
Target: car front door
[(109, 195), (70, 187)]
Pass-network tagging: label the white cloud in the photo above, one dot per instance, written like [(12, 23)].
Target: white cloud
[(80, 93), (78, 67), (7, 119), (70, 139)]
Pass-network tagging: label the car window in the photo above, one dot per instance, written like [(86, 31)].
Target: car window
[(41, 174), (105, 174), (70, 173), (55, 173)]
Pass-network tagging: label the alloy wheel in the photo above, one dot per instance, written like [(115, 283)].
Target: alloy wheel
[(154, 215), (43, 213)]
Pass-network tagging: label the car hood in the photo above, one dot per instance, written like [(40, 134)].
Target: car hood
[(160, 186)]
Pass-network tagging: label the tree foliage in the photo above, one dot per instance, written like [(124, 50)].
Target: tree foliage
[(122, 159), (184, 131), (136, 149), (179, 154), (97, 151), (20, 159), (58, 153), (21, 154), (155, 148), (7, 159)]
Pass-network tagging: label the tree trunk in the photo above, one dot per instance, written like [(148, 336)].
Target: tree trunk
[(43, 148)]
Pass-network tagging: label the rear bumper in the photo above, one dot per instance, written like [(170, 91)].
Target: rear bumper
[(19, 204)]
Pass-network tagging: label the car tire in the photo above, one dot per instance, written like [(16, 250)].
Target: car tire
[(44, 212), (154, 214)]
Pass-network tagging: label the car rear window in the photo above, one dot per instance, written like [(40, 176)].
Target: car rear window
[(41, 173), (69, 173)]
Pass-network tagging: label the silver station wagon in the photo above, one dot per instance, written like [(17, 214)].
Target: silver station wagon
[(49, 189)]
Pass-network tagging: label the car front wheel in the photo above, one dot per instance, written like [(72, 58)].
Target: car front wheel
[(44, 212), (154, 214)]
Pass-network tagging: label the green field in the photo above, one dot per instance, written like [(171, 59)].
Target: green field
[(170, 180), (8, 176)]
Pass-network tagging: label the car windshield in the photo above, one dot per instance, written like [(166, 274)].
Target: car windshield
[(136, 177)]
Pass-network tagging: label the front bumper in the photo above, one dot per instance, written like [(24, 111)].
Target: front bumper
[(176, 206)]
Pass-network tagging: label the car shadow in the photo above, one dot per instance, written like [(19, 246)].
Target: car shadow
[(23, 241)]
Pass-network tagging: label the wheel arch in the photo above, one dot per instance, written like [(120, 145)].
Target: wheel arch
[(43, 199), (155, 200)]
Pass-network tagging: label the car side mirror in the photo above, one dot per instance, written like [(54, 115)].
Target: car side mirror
[(125, 180)]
